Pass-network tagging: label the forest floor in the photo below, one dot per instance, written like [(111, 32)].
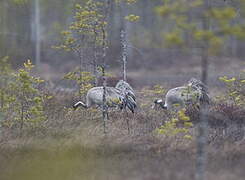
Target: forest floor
[(72, 145), (79, 154)]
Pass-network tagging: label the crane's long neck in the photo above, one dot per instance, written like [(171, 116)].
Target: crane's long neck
[(163, 105), (79, 103)]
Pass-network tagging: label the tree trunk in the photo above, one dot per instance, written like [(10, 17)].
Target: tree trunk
[(95, 60), (4, 29), (80, 73), (123, 41), (37, 35), (124, 54), (206, 27), (104, 48), (204, 65), (104, 111), (201, 159)]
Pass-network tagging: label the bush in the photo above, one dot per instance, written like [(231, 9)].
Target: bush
[(25, 103), (177, 126), (235, 90)]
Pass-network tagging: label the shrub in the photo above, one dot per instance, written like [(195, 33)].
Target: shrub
[(26, 107), (235, 90), (6, 98), (177, 126), (83, 80)]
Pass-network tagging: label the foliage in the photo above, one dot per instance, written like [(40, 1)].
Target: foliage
[(89, 22), (26, 100), (126, 1), (155, 91), (150, 94), (87, 32), (5, 77), (235, 90), (82, 79), (178, 125), (185, 28), (20, 2), (132, 18)]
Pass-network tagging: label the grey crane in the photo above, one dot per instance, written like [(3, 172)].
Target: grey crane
[(128, 93), (114, 98), (195, 92)]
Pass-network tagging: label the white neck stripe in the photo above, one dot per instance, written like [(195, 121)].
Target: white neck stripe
[(78, 103)]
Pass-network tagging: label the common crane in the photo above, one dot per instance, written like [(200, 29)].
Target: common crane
[(195, 92), (128, 93), (114, 98), (124, 86)]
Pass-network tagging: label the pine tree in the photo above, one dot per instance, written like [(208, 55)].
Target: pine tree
[(202, 25)]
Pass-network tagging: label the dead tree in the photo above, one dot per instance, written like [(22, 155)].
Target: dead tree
[(124, 53), (124, 43)]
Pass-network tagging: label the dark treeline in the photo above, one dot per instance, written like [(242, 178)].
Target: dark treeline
[(147, 46)]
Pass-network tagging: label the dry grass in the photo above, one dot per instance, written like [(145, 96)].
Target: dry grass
[(72, 145)]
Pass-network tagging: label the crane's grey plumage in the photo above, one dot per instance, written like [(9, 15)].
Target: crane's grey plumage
[(123, 85), (115, 97), (125, 88), (195, 92), (128, 93), (95, 97)]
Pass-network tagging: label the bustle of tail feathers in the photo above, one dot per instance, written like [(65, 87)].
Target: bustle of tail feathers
[(123, 85), (197, 84), (205, 98), (130, 103)]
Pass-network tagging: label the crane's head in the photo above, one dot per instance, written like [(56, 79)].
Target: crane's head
[(158, 103)]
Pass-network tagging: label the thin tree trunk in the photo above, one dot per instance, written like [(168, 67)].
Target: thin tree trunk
[(37, 35), (2, 99), (104, 112), (123, 41), (204, 65), (104, 48), (124, 54), (80, 72), (201, 159), (4, 28), (4, 90), (95, 61), (95, 71), (22, 116), (205, 56)]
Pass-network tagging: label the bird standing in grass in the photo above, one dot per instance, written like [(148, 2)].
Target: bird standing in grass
[(115, 97), (195, 92)]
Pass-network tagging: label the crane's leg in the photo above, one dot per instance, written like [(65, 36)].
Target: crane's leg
[(128, 125), (107, 115), (127, 120)]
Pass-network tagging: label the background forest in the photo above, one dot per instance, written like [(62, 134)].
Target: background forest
[(162, 37), (52, 52)]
